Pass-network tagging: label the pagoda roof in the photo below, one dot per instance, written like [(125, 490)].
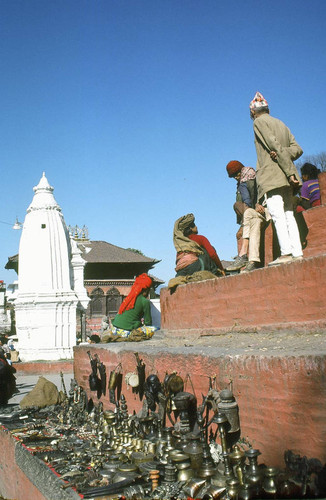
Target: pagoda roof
[(100, 252), (103, 252), (12, 262)]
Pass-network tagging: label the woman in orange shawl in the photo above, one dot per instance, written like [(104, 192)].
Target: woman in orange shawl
[(135, 310)]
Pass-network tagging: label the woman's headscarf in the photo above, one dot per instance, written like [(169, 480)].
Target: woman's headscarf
[(181, 242), (141, 282)]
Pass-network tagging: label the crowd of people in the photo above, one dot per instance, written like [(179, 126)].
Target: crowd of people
[(273, 191)]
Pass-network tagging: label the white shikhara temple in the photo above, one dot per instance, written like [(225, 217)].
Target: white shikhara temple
[(50, 286)]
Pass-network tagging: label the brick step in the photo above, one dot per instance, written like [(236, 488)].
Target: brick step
[(312, 229), (286, 296)]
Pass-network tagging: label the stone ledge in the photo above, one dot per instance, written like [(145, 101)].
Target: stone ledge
[(49, 485), (23, 476), (41, 367)]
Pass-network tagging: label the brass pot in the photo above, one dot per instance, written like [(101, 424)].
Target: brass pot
[(185, 474)]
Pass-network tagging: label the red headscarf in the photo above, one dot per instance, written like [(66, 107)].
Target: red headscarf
[(141, 282)]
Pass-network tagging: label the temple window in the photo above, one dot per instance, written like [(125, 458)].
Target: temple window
[(113, 302), (97, 304)]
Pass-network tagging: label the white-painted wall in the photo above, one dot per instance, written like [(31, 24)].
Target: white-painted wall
[(156, 312)]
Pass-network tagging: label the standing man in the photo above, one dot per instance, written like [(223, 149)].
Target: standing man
[(277, 176), (250, 215)]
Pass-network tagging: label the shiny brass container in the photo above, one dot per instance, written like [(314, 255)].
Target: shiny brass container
[(245, 492), (185, 474), (270, 482), (178, 456), (233, 488), (195, 451), (128, 467), (214, 493), (109, 417), (113, 463), (138, 457), (120, 476)]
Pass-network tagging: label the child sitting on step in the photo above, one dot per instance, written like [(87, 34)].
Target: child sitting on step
[(310, 193)]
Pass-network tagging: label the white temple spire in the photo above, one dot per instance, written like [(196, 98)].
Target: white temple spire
[(47, 300)]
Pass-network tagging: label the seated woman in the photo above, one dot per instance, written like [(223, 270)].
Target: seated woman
[(194, 251), (310, 193), (134, 314)]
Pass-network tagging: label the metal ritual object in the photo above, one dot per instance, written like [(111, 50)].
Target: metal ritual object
[(186, 406), (233, 485), (94, 381), (237, 458), (183, 465), (229, 407), (245, 492), (102, 371), (114, 380), (269, 485), (207, 468), (141, 376), (194, 449), (173, 383), (253, 473), (170, 472), (152, 391), (218, 478)]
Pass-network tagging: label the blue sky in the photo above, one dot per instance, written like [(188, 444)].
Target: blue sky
[(134, 107)]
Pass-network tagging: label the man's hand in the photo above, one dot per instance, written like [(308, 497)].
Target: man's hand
[(293, 181), (273, 155), (260, 209)]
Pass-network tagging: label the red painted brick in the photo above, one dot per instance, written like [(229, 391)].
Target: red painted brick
[(13, 482), (291, 294)]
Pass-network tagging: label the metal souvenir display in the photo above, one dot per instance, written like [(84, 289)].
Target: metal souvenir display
[(112, 454)]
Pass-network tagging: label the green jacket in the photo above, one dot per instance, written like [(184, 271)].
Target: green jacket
[(131, 319), (272, 134)]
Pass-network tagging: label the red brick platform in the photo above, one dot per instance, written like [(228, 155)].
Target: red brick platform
[(287, 296)]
